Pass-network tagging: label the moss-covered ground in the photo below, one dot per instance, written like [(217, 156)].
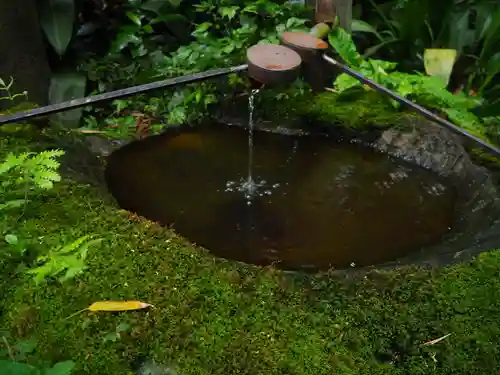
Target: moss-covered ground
[(217, 317)]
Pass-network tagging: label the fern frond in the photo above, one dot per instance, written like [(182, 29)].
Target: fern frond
[(69, 259), (48, 157), (12, 161), (28, 170), (45, 178), (73, 246)]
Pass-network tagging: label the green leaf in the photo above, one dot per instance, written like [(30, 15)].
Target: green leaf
[(17, 368), (175, 3), (229, 48), (11, 239), (493, 66), (466, 120), (229, 12), (201, 28), (120, 105), (69, 259), (42, 272), (358, 26), (139, 51), (57, 19), (374, 49), (294, 22), (344, 82), (492, 71), (484, 18), (250, 9), (148, 29), (491, 36), (134, 18), (342, 42), (73, 246), (166, 18), (160, 7), (123, 39), (177, 116), (45, 179), (77, 267), (405, 88), (61, 368), (382, 66), (209, 99), (461, 35), (11, 161), (153, 6)]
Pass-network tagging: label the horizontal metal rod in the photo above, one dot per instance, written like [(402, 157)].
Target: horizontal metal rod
[(415, 107), (117, 94)]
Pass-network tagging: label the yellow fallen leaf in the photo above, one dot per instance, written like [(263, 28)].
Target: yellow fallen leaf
[(118, 306), (114, 306), (435, 341)]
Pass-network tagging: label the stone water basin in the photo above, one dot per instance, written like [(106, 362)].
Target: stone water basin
[(319, 202)]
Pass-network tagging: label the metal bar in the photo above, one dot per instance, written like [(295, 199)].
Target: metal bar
[(81, 102), (415, 107)]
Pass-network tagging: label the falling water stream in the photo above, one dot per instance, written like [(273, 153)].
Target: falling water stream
[(250, 186)]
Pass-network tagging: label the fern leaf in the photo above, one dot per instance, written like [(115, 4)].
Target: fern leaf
[(69, 259), (45, 178), (12, 161), (72, 272), (45, 157), (41, 273), (49, 163), (73, 246)]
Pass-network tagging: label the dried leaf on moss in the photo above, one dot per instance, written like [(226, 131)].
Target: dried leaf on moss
[(118, 306)]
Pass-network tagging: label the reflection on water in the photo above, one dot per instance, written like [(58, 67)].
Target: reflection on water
[(316, 202)]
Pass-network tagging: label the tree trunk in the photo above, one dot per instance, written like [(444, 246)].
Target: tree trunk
[(328, 10), (23, 51)]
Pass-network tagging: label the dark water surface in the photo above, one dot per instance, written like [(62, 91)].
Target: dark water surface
[(317, 202)]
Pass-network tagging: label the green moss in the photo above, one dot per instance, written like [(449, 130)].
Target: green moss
[(218, 317), (359, 109), (365, 110)]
